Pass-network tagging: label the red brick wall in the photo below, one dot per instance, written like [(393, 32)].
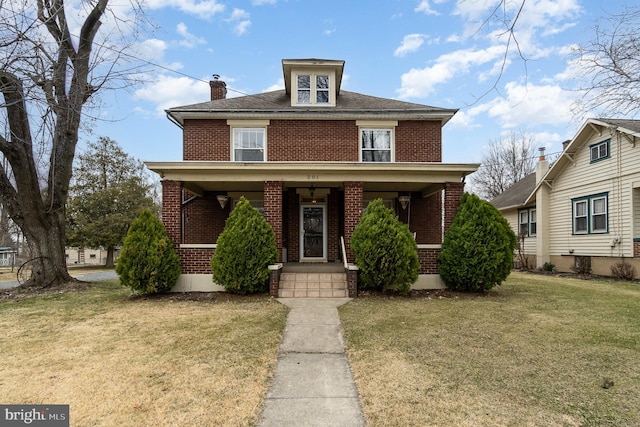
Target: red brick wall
[(196, 261), (418, 141), (352, 212), (273, 210), (293, 248), (333, 225), (206, 140), (312, 140), (636, 249), (428, 260), (171, 209), (204, 219), (426, 218), (453, 192)]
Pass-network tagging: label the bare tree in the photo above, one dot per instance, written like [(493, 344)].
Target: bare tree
[(611, 64), (504, 162), (47, 76)]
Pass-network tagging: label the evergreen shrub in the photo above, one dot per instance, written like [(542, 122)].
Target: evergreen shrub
[(385, 250), (244, 250), (148, 263), (477, 250)]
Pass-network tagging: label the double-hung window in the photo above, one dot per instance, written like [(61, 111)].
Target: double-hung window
[(599, 151), (590, 214), (313, 89), (375, 145), (249, 144), (527, 225)]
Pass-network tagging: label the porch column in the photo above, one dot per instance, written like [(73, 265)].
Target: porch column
[(172, 209), (453, 192), (273, 210), (353, 192)]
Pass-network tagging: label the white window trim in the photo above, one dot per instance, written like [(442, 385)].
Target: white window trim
[(533, 222), (586, 215), (313, 95), (365, 125), (247, 124), (592, 215), (606, 143)]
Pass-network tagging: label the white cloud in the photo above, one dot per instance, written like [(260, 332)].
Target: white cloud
[(410, 43), (240, 19), (526, 104), (203, 9), (425, 8), (167, 92), (418, 83), (189, 40), (151, 49), (279, 85)]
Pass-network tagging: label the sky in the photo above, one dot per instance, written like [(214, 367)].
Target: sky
[(432, 52)]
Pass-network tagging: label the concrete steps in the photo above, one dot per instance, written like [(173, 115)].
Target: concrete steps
[(313, 285)]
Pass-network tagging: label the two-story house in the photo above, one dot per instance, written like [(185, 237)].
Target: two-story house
[(310, 157)]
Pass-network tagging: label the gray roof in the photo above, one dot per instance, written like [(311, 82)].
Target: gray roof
[(632, 125), (517, 194), (278, 102)]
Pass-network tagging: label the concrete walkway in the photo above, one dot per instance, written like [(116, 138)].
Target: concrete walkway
[(313, 385)]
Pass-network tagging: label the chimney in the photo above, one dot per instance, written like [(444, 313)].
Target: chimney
[(543, 165), (564, 144), (218, 88)]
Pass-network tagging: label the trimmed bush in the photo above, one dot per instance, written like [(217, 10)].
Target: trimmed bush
[(477, 250), (148, 263), (386, 252), (244, 250)]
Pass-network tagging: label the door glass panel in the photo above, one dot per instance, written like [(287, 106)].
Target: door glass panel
[(313, 227)]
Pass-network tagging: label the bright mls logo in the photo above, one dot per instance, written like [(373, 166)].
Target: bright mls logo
[(34, 415)]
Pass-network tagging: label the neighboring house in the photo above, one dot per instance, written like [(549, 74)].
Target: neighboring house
[(309, 157), (87, 256), (584, 210)]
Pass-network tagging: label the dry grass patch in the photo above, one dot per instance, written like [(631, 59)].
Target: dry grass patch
[(131, 362), (536, 351)]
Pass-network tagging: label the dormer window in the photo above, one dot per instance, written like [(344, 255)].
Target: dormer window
[(313, 89)]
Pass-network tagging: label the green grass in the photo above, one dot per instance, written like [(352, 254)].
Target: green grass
[(127, 361), (535, 351)]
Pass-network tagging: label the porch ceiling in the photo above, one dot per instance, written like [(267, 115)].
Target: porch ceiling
[(236, 176)]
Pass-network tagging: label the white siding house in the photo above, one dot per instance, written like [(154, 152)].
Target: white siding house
[(588, 202)]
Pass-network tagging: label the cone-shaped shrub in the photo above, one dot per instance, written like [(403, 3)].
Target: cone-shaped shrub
[(244, 250), (477, 250), (386, 252), (148, 263)]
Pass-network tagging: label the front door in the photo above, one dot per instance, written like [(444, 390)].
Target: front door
[(313, 233)]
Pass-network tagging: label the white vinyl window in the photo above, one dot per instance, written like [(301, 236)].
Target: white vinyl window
[(580, 217), (600, 150), (313, 89), (375, 145), (527, 225), (249, 145), (590, 214), (599, 215)]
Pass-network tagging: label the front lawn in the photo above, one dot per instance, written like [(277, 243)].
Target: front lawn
[(127, 361), (536, 351)]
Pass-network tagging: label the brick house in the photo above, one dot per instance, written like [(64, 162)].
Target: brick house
[(310, 157)]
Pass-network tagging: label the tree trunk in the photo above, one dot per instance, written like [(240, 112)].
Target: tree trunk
[(48, 262), (110, 263)]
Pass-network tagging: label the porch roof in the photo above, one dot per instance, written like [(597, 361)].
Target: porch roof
[(200, 176)]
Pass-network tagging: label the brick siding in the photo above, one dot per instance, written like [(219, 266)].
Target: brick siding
[(453, 192), (273, 210), (204, 219), (353, 192), (206, 140), (428, 259), (195, 261), (418, 141), (171, 209)]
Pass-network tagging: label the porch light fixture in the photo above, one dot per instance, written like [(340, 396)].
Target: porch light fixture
[(222, 199), (404, 201)]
